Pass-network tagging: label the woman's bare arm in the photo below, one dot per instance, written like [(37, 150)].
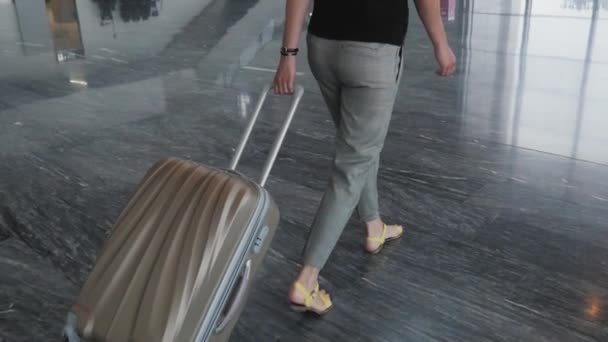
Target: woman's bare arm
[(430, 14), (295, 13)]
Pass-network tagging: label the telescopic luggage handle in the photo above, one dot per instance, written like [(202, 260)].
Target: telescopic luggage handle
[(276, 146)]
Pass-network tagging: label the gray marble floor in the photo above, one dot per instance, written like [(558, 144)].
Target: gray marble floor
[(499, 173)]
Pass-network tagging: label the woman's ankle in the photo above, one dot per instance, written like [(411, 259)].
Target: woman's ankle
[(309, 277), (374, 227)]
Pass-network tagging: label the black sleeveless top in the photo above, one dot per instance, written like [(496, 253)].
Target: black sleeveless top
[(378, 21)]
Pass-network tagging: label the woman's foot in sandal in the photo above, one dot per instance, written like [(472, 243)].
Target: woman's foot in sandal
[(303, 300), (305, 295), (379, 234)]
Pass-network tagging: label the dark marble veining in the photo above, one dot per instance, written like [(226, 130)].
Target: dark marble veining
[(34, 295), (500, 173)]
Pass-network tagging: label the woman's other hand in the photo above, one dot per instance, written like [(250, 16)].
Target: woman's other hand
[(446, 60)]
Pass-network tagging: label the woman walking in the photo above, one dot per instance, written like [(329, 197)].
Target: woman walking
[(355, 54)]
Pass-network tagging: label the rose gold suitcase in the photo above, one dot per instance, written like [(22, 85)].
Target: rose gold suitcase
[(179, 262)]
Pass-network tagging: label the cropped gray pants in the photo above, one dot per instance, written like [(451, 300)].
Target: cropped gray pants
[(359, 82)]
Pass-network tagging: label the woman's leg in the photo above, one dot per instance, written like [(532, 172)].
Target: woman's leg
[(368, 207), (368, 74), (365, 117), (321, 53), (361, 78), (368, 202)]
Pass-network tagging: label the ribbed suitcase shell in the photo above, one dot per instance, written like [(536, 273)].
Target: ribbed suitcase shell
[(174, 256)]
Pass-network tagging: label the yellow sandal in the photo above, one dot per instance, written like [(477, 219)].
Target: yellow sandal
[(309, 298), (382, 239)]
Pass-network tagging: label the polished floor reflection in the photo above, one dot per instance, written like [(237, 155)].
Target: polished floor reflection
[(500, 173)]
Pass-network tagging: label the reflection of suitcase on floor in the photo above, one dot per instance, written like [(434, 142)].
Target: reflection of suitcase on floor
[(180, 259)]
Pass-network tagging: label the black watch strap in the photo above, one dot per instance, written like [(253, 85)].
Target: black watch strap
[(289, 52)]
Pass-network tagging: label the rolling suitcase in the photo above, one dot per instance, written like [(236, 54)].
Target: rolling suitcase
[(179, 261)]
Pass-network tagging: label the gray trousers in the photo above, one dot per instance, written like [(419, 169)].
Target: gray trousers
[(359, 82)]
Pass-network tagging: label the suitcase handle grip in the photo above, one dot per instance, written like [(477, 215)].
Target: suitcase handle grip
[(276, 146), (239, 298)]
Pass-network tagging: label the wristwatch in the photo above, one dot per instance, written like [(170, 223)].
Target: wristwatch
[(289, 52)]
